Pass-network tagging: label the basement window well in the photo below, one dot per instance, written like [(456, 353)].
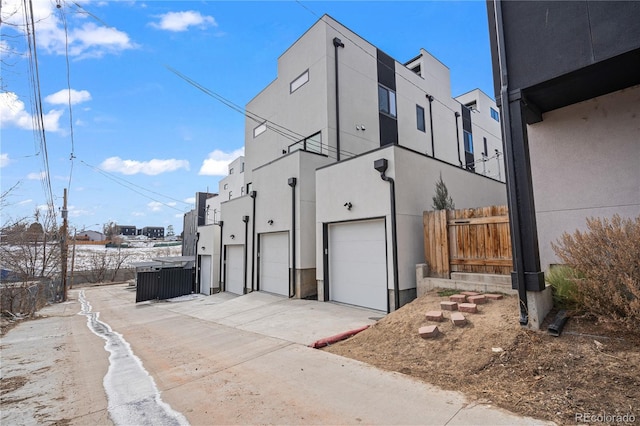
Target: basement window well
[(299, 82)]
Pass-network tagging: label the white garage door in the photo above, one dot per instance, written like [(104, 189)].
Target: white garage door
[(274, 263), (358, 264), (235, 269), (205, 274)]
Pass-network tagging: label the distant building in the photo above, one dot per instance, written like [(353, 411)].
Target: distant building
[(191, 221), (126, 230), (153, 231), (90, 236)]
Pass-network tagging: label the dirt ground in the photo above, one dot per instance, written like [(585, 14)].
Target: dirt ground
[(591, 369)]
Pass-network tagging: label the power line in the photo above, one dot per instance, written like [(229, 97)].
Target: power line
[(271, 125), (382, 63), (127, 184), (66, 53), (37, 116)]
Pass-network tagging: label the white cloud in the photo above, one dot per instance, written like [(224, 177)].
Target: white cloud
[(13, 113), (181, 21), (88, 40), (75, 212), (4, 160), (217, 164), (190, 200), (151, 167), (62, 97), (137, 214), (92, 41), (36, 176), (23, 202), (155, 206)]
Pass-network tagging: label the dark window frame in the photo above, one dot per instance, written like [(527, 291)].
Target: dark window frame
[(388, 104), (420, 119)]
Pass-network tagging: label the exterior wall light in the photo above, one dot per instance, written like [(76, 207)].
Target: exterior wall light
[(233, 237)]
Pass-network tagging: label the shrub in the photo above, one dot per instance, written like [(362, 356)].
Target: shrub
[(607, 257)]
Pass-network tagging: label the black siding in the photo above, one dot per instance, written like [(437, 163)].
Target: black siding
[(387, 77)]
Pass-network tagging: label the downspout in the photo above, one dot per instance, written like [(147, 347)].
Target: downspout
[(457, 114), (518, 262), (253, 194), (337, 43), (381, 166), (245, 219), (197, 285), (223, 265), (433, 145), (292, 289)]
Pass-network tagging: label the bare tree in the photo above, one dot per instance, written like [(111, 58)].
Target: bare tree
[(31, 251), (120, 258), (110, 230), (99, 264)]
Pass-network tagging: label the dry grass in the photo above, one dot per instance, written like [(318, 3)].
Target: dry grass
[(534, 374)]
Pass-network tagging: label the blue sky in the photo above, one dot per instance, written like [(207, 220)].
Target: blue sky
[(143, 140)]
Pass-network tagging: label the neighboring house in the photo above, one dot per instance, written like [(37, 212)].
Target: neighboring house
[(90, 236), (316, 216), (191, 220), (126, 230), (571, 72), (156, 232), (209, 247), (482, 142)]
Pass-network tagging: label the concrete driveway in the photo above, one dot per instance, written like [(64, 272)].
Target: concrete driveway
[(292, 320), (236, 360)]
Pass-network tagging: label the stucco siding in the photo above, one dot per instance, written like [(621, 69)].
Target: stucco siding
[(584, 163)]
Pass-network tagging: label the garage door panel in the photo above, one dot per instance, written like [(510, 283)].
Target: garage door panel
[(358, 264), (235, 269), (274, 263)]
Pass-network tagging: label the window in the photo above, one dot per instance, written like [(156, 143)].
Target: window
[(230, 170), (242, 168), (387, 101), (473, 105), (226, 186), (495, 115), (468, 142), (420, 118), (260, 130), (299, 82), (242, 191), (486, 151)]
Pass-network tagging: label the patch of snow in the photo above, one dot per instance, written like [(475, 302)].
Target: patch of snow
[(134, 398)]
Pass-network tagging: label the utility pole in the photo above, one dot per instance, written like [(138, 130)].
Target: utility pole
[(65, 246), (73, 257)]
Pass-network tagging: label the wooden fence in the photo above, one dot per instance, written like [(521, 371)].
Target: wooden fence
[(468, 240)]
